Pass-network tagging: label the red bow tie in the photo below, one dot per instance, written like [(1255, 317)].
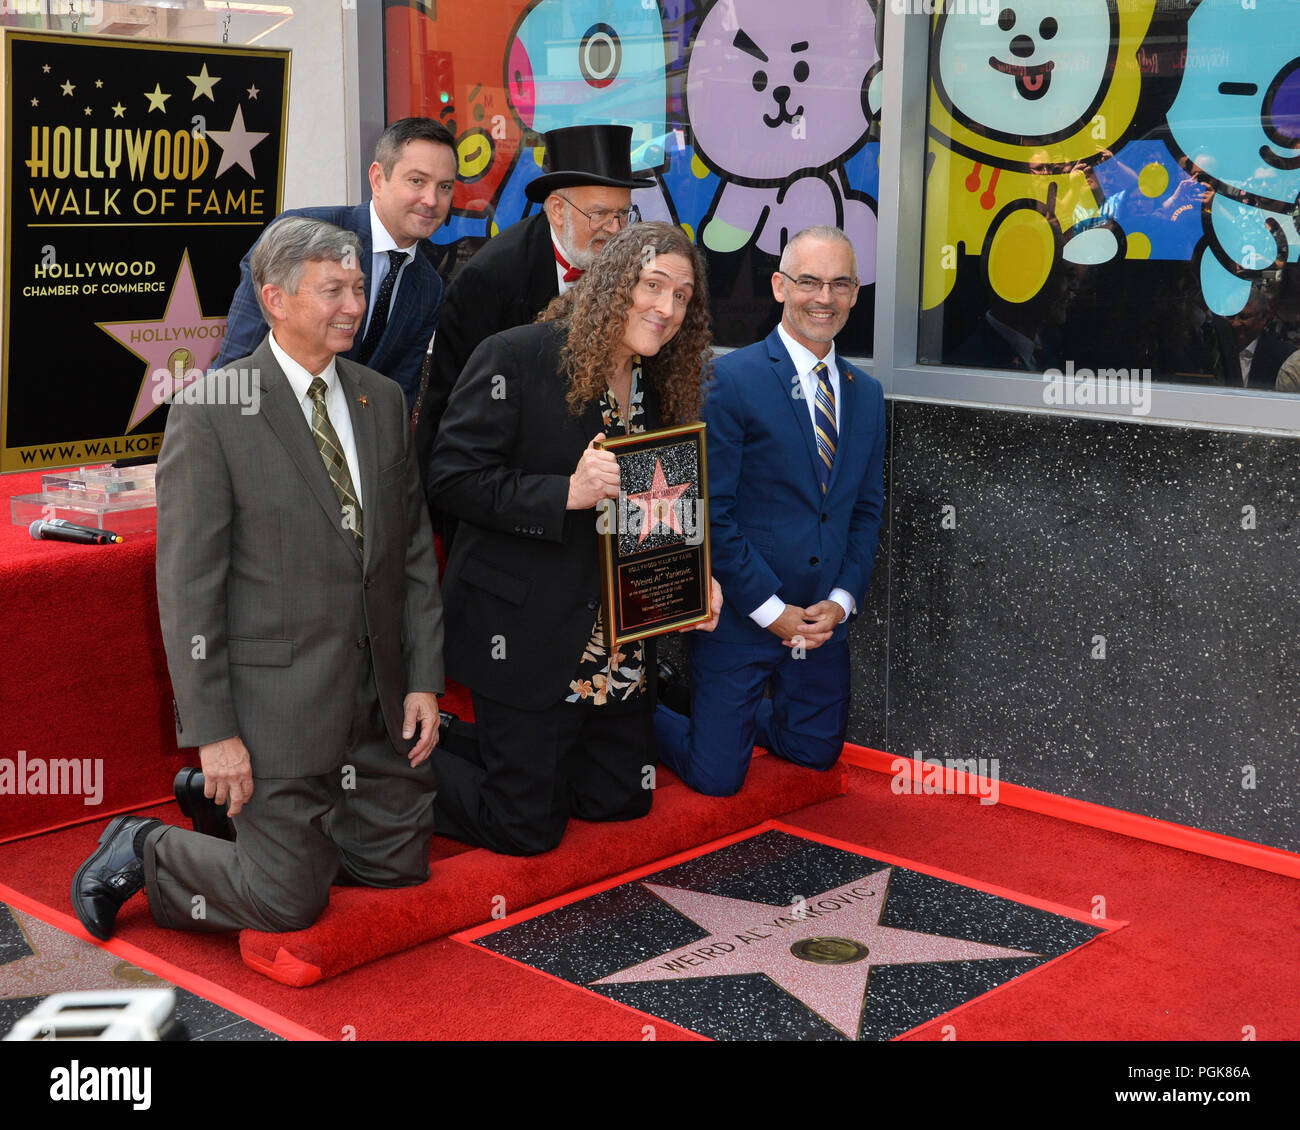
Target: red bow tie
[(571, 273)]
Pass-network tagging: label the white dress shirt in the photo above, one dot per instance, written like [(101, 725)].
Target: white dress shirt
[(336, 405)]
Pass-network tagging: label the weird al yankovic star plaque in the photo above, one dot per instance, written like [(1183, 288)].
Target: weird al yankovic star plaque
[(136, 174), (654, 544)]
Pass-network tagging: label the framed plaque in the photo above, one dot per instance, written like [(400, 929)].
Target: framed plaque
[(654, 540)]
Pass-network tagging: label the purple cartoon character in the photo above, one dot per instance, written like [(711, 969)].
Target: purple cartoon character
[(777, 100)]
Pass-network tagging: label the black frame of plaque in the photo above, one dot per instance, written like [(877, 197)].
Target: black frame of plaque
[(612, 561)]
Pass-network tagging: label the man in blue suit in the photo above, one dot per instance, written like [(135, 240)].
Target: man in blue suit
[(796, 442), (411, 181)]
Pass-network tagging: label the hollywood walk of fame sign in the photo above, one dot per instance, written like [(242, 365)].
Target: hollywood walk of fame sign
[(780, 936), (136, 174), (654, 544)]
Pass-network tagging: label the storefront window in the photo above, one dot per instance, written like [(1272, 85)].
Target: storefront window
[(1112, 186), (755, 117)]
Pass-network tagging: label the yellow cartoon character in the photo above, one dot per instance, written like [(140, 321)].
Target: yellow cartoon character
[(1025, 101)]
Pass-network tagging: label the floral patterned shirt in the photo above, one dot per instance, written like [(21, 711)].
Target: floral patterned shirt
[(604, 677)]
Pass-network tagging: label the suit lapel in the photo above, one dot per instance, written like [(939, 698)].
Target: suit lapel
[(359, 223), (284, 415), (786, 385), (365, 436), (848, 405)]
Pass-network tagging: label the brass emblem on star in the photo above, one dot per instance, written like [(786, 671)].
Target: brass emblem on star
[(829, 951)]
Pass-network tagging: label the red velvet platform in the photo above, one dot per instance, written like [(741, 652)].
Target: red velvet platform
[(82, 672), (477, 886)]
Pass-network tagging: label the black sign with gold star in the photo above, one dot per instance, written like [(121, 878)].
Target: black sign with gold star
[(136, 174)]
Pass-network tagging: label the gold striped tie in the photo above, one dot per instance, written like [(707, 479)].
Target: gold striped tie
[(824, 413), (331, 451)]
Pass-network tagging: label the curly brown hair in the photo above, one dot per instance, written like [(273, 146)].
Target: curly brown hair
[(595, 310)]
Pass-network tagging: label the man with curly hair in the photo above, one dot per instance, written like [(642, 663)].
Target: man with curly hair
[(796, 442), (564, 723)]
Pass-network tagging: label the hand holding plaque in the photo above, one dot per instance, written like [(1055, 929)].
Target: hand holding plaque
[(654, 544)]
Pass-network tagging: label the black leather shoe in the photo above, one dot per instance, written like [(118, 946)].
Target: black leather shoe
[(111, 875), (674, 690), (207, 816)]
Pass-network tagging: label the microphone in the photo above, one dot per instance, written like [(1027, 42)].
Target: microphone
[(65, 524), (58, 530)]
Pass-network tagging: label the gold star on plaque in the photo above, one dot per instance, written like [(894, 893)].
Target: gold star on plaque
[(99, 84), (67, 88), (36, 101), (119, 111), (157, 99), (45, 70), (86, 111), (203, 84), (253, 93)]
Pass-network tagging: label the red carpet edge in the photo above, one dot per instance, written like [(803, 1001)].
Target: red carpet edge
[(1131, 824)]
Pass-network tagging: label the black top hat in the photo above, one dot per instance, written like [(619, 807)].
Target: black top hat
[(586, 155)]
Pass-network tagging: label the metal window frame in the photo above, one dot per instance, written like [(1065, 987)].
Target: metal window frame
[(898, 282)]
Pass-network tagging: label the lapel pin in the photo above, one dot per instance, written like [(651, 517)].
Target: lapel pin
[(363, 400)]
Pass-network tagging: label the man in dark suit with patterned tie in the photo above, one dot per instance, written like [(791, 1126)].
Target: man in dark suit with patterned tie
[(411, 182), (796, 442), (298, 596)]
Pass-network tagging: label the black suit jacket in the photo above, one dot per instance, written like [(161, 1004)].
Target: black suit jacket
[(507, 283), (522, 585)]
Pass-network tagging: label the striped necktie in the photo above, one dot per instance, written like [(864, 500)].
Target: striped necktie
[(331, 451), (824, 424)]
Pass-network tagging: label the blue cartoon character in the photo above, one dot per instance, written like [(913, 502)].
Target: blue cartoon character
[(1236, 125), (594, 62), (775, 94)]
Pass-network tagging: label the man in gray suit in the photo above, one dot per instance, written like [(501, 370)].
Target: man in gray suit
[(298, 594)]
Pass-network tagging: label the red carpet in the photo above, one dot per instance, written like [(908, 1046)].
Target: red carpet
[(362, 924), (82, 673), (1208, 953)]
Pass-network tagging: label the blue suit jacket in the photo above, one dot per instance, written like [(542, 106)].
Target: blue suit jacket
[(411, 321), (771, 528)]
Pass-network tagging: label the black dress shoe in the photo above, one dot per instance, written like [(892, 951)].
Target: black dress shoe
[(674, 690), (207, 816), (111, 875)]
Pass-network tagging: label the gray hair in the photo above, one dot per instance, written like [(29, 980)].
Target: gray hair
[(817, 231), (289, 244)]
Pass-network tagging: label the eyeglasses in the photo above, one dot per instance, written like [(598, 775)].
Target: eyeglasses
[(811, 284), (599, 217)]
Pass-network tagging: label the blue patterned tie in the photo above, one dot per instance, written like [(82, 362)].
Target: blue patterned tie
[(379, 319), (824, 424)]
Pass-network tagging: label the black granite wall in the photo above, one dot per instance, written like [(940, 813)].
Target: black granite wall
[(1109, 609)]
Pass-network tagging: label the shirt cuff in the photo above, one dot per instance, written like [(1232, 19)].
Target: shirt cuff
[(845, 601), (767, 613)]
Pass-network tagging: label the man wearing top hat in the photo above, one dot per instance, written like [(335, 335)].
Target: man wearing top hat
[(586, 197)]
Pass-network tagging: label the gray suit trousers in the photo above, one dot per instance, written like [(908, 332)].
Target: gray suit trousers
[(367, 822)]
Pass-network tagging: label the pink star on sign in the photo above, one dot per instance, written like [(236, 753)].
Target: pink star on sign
[(659, 504), (179, 343), (820, 951)]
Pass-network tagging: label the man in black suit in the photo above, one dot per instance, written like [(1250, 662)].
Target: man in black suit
[(586, 198), (411, 182)]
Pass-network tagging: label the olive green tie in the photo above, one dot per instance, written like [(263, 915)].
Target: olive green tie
[(336, 464)]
